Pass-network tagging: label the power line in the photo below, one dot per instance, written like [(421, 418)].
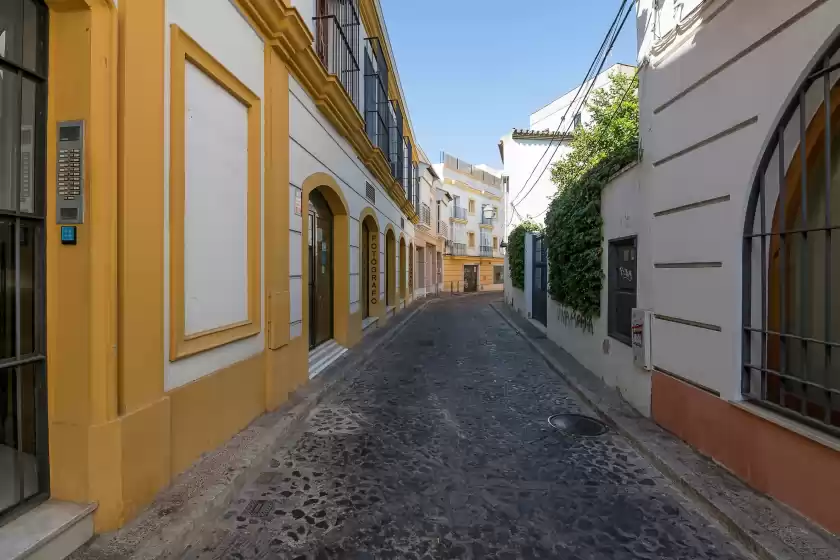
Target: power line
[(577, 93), (589, 90)]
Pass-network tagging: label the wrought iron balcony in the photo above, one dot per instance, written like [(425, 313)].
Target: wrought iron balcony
[(459, 213), (457, 249), (485, 221), (486, 251), (443, 229), (377, 105), (337, 30), (425, 215)]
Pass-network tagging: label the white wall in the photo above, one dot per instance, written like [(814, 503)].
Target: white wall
[(623, 211), (220, 30), (315, 146), (754, 86), (551, 116), (521, 158)]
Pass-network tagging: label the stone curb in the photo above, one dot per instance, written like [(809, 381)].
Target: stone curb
[(179, 513), (791, 540)]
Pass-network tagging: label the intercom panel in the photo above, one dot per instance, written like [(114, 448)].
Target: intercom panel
[(70, 171)]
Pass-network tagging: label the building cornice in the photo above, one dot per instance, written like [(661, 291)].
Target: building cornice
[(286, 32)]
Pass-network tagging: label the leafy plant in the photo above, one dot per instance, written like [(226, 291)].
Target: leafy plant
[(573, 223), (516, 252)]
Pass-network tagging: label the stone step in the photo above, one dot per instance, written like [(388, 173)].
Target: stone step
[(323, 356), (50, 531)]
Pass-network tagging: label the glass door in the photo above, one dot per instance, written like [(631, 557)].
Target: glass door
[(24, 471)]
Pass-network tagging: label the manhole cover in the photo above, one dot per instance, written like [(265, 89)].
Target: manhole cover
[(578, 425)]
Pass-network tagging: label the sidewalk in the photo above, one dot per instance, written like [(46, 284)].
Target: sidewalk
[(765, 527)]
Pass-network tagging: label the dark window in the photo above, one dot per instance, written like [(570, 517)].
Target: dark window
[(498, 274), (578, 121), (622, 288)]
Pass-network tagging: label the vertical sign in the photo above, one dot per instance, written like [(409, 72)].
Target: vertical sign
[(298, 203), (373, 267)]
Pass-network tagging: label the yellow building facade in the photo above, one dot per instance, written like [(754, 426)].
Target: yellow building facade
[(473, 259), (219, 209)]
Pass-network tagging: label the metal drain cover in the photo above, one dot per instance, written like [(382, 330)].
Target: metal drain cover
[(578, 425)]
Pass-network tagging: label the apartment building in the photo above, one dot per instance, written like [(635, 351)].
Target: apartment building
[(473, 259), (430, 233), (205, 202)]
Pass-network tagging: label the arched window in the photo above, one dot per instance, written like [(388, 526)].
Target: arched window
[(791, 344)]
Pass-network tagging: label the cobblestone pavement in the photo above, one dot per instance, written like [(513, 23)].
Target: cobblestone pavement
[(439, 448)]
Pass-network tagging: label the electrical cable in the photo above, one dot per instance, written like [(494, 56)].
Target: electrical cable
[(589, 90), (582, 85)]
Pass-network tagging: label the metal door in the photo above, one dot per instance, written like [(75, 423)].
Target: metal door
[(24, 449), (539, 297), (470, 277)]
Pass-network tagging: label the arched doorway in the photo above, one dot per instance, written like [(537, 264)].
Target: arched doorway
[(325, 261), (370, 266), (403, 277), (390, 267), (792, 257), (411, 261), (321, 243)]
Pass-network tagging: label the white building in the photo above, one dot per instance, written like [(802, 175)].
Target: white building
[(527, 154), (725, 229)]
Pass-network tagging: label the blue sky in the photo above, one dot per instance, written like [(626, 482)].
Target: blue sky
[(473, 69)]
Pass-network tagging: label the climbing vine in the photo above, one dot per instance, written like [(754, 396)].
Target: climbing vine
[(516, 252), (573, 223)]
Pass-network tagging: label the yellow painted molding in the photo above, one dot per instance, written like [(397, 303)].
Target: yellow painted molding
[(372, 268), (391, 265), (404, 279), (141, 197), (184, 49), (458, 221), (285, 30), (332, 192), (485, 226)]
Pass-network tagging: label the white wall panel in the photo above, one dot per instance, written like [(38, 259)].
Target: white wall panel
[(295, 299), (354, 291), (354, 260), (222, 31), (216, 206), (295, 262)]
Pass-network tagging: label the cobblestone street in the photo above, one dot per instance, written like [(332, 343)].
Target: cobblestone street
[(439, 447)]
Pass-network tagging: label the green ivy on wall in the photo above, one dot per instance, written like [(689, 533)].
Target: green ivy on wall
[(516, 252), (574, 232), (575, 239)]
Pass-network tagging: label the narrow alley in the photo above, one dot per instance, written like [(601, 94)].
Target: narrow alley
[(439, 447)]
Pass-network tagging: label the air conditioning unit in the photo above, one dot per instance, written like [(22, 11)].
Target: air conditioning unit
[(640, 323)]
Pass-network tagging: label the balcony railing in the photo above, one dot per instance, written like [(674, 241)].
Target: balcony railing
[(443, 229), (485, 221), (486, 251), (459, 213), (425, 215), (337, 30), (458, 249)]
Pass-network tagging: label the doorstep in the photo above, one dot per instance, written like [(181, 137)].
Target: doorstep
[(766, 527), (368, 322), (323, 356), (49, 531)]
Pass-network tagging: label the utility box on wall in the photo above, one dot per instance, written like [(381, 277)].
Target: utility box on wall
[(640, 322)]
